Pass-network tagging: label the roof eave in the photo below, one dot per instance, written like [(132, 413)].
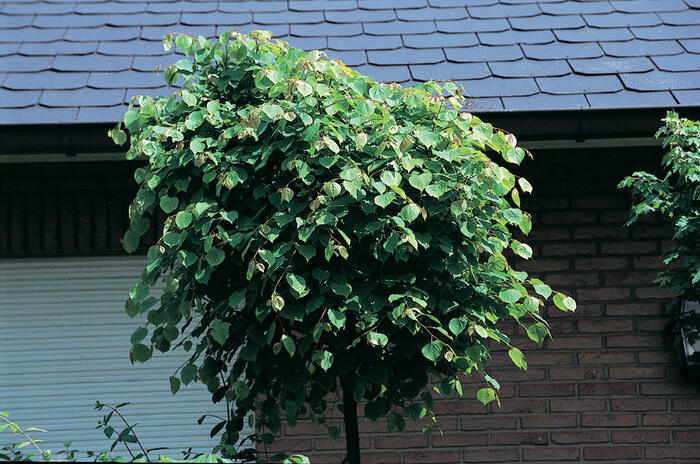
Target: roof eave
[(580, 125)]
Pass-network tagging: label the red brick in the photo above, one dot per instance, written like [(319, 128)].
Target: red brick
[(606, 357), (651, 231), (629, 341), (670, 419), (686, 404), (460, 439), (609, 420), (520, 406), (652, 293), (549, 359), (607, 388), (549, 421), (567, 217), (371, 457), (648, 262), (603, 453), (657, 357), (605, 326), (518, 438), (517, 375), (580, 436), (604, 294), (628, 248), (465, 406), (328, 457), (544, 265), (326, 444), (640, 436), (546, 389), (551, 454), (652, 325), (634, 309), (676, 451), (569, 249), (638, 404), (548, 235), (431, 457), (576, 373), (598, 202), (489, 455), (574, 343), (577, 279), (400, 441), (666, 388), (686, 436), (488, 422), (629, 277), (601, 263), (637, 372), (578, 404), (289, 445), (600, 232)]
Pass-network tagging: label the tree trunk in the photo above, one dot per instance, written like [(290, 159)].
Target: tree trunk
[(352, 434)]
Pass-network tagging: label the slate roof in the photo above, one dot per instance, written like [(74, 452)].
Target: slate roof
[(67, 61)]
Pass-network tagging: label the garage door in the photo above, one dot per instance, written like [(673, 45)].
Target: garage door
[(64, 343)]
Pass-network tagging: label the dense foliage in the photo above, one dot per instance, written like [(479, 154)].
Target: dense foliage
[(323, 228), (676, 197)]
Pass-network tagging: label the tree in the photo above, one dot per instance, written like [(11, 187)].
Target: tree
[(675, 197), (326, 233)]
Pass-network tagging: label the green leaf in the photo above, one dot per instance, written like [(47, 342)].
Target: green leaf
[(131, 241), (168, 204), (432, 350), (385, 199), (188, 373), (174, 384), (420, 181), (297, 284), (215, 256), (513, 215), (337, 318), (537, 332), (334, 432), (220, 332), (410, 212), (518, 358), (514, 155), (138, 335), (288, 343), (272, 111), (197, 146), (427, 137), (486, 395), (141, 352), (457, 325), (525, 186), (391, 178), (183, 219), (541, 288), (510, 295), (332, 189)]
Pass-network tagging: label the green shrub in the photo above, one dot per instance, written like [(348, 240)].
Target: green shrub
[(323, 229)]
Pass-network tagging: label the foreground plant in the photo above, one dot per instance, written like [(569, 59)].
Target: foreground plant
[(675, 197), (325, 232)]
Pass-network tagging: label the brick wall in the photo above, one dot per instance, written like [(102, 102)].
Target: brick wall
[(607, 388)]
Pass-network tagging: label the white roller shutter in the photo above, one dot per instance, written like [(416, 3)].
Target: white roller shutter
[(64, 343)]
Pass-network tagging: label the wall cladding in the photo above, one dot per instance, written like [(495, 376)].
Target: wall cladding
[(59, 209)]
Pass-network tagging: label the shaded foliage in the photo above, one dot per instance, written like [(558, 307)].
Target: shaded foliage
[(676, 197)]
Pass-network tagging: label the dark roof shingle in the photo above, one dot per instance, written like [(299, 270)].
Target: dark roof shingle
[(82, 61)]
